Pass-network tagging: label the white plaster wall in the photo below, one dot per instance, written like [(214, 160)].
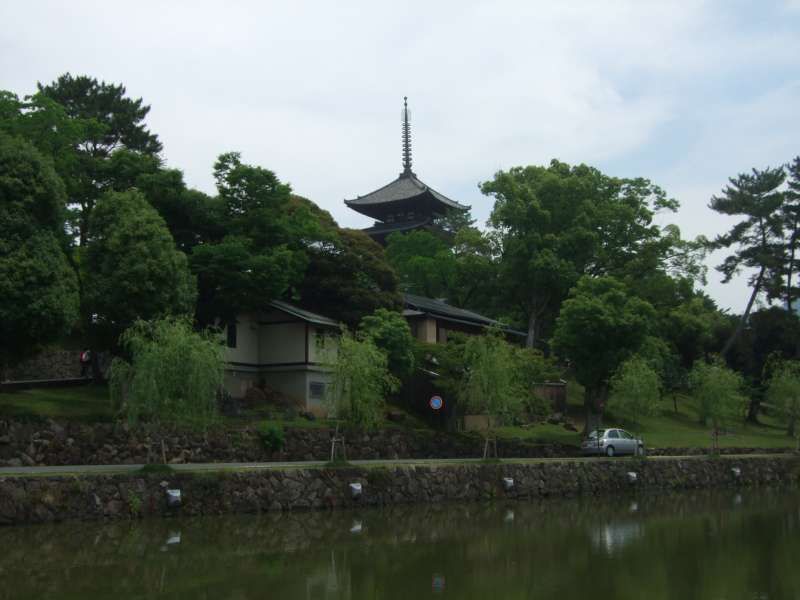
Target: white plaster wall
[(282, 343), (322, 344), (246, 350)]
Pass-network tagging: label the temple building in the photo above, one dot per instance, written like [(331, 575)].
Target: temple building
[(406, 203)]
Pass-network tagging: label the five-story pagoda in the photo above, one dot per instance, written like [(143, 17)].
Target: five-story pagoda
[(406, 203)]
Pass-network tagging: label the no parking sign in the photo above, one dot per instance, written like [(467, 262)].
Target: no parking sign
[(436, 402)]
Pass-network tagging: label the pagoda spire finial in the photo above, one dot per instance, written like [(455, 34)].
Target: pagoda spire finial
[(406, 139)]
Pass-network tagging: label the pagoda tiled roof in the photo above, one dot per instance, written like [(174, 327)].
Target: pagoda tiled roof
[(419, 305), (406, 186)]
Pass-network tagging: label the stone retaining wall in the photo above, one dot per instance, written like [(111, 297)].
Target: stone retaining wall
[(51, 363), (41, 499), (32, 444)]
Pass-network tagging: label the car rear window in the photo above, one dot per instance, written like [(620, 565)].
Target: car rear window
[(613, 434)]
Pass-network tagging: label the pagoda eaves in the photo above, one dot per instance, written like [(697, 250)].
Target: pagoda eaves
[(405, 203)]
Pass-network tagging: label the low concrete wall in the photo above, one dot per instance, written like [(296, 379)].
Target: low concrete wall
[(41, 499)]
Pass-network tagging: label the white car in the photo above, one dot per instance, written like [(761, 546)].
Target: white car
[(612, 442)]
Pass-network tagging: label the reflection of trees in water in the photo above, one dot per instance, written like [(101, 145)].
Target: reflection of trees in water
[(684, 543)]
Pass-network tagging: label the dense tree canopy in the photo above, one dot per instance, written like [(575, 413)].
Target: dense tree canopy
[(348, 278), (37, 285), (131, 268), (390, 332), (555, 224), (108, 121), (260, 246), (459, 267), (601, 325)]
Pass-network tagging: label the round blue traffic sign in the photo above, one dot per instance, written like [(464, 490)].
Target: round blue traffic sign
[(436, 402)]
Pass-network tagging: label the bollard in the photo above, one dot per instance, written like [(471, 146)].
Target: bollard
[(355, 490), (632, 477), (737, 472), (508, 483), (173, 498)]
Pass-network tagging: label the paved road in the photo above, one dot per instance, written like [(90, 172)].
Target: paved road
[(195, 467)]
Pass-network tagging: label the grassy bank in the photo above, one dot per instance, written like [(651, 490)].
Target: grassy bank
[(86, 403), (667, 428)]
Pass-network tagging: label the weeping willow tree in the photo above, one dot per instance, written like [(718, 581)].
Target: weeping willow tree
[(492, 385), (360, 381), (173, 376)]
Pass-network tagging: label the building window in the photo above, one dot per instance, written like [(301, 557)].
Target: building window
[(316, 390), (231, 333)]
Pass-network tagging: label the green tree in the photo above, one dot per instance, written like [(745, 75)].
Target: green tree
[(530, 368), (459, 267), (360, 382), (260, 250), (791, 224), (173, 376), (109, 122), (771, 333), (636, 389), (554, 224), (38, 288), (45, 123), (600, 326), (348, 278), (783, 392), (491, 387), (131, 268), (718, 393), (390, 332), (758, 237)]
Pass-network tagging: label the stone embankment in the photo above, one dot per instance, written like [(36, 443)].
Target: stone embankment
[(42, 499), (52, 443), (29, 444)]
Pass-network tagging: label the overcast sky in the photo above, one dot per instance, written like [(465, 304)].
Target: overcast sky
[(683, 93)]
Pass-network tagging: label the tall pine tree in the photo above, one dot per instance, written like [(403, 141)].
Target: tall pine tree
[(757, 238)]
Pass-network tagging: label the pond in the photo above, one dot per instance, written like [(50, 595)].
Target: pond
[(723, 545)]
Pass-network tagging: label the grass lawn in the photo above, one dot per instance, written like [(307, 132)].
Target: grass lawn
[(665, 429), (91, 403), (86, 403)]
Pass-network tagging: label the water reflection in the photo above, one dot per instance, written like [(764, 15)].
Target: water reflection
[(613, 537), (682, 546)]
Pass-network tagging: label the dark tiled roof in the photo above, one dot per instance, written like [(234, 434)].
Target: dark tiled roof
[(302, 314), (441, 309), (387, 228), (404, 187)]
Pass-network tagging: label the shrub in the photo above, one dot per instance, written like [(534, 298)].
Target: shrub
[(271, 436)]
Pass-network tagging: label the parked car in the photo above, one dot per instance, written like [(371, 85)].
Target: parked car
[(612, 442)]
